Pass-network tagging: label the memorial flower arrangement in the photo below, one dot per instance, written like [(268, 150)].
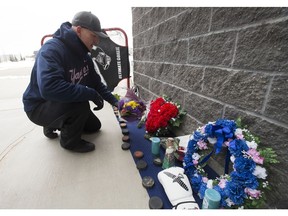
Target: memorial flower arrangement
[(131, 105), (131, 108), (245, 186), (164, 117)]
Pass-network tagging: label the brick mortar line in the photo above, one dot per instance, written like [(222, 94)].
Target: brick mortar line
[(161, 21), (267, 95), (275, 122), (142, 15), (192, 117), (235, 49), (223, 68), (220, 102), (210, 20), (202, 78), (224, 30)]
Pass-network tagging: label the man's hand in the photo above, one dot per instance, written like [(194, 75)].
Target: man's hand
[(98, 101), (116, 105)]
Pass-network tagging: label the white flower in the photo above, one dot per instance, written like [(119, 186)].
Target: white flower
[(196, 156), (265, 184), (229, 202), (252, 144), (245, 130), (238, 131), (212, 140), (210, 184), (232, 158), (191, 137), (260, 172)]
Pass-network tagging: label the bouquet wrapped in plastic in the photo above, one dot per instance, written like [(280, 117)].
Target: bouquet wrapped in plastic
[(131, 105)]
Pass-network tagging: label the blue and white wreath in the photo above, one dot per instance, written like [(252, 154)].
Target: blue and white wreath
[(244, 187)]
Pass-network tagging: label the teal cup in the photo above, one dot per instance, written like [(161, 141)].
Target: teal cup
[(155, 147), (211, 199)]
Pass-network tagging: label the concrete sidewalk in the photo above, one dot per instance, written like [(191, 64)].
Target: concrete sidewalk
[(36, 173)]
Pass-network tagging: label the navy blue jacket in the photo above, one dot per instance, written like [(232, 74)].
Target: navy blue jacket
[(64, 72)]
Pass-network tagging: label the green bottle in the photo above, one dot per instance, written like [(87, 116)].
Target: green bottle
[(169, 158)]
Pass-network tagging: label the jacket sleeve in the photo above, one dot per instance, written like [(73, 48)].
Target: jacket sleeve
[(101, 88), (52, 83)]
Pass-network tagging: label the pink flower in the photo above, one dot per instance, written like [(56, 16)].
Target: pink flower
[(195, 162), (226, 143), (202, 145), (253, 193), (255, 156), (205, 179), (202, 129), (239, 136), (222, 183)]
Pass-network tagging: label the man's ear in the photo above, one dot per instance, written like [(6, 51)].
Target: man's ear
[(77, 29)]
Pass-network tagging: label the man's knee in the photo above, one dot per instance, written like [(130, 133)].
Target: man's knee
[(92, 129), (92, 124)]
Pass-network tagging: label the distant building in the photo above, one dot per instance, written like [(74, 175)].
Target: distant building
[(11, 57)]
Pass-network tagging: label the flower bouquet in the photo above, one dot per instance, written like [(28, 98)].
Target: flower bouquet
[(131, 105), (245, 186), (164, 117)]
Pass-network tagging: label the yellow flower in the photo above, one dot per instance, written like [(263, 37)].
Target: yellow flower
[(132, 104)]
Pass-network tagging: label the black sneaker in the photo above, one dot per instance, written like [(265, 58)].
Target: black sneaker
[(49, 132), (83, 147)]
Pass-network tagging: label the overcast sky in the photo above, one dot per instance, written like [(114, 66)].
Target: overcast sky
[(24, 22)]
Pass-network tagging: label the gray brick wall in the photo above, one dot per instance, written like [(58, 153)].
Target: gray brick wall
[(220, 63)]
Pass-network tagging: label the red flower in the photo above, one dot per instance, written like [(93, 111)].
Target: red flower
[(161, 112)]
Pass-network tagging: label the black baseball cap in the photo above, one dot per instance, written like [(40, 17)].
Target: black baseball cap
[(89, 21)]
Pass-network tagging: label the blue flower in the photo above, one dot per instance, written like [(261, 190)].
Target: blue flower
[(189, 168), (192, 145), (196, 181), (223, 195), (198, 136), (202, 190), (236, 147), (235, 192), (208, 130), (245, 179), (243, 165)]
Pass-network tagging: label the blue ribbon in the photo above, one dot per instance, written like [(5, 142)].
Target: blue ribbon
[(227, 161), (221, 135), (220, 139), (206, 158)]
